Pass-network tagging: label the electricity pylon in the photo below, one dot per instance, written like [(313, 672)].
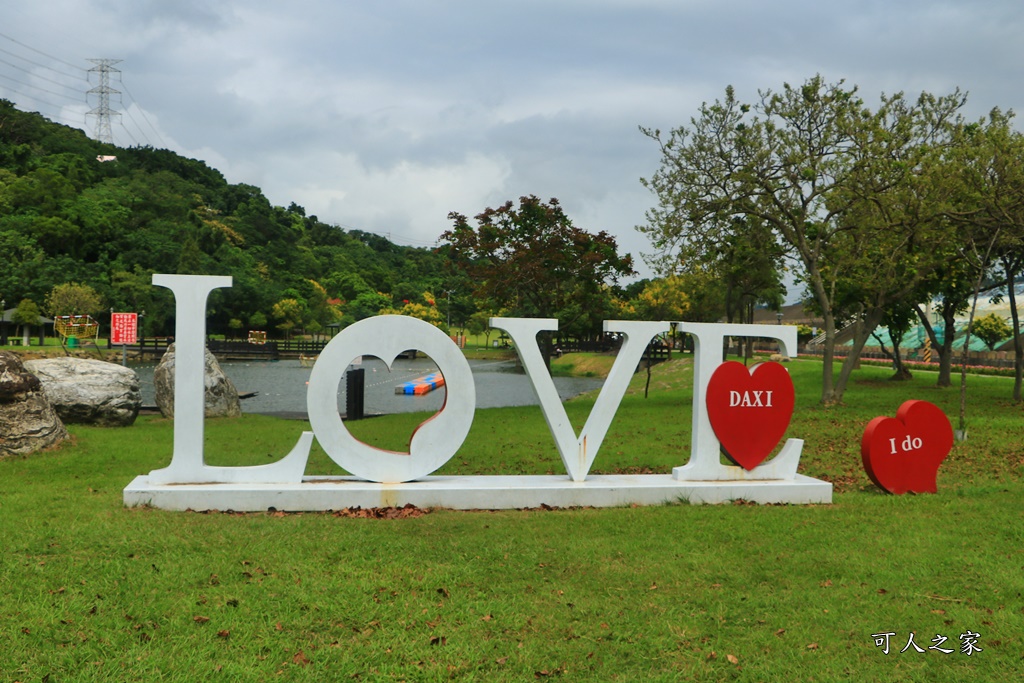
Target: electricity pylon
[(103, 112)]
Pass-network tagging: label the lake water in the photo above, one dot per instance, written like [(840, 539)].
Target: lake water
[(281, 385)]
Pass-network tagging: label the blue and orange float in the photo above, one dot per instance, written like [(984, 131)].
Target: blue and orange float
[(421, 385)]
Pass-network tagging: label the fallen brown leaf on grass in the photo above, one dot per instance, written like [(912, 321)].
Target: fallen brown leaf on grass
[(554, 672), (409, 510), (200, 620), (733, 659), (300, 658)]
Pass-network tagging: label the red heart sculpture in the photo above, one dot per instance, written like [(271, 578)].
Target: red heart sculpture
[(903, 454), (749, 411)]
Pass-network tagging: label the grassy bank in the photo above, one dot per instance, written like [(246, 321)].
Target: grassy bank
[(96, 592)]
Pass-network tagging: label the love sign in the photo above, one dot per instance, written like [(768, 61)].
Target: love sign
[(903, 454), (747, 413), (750, 411)]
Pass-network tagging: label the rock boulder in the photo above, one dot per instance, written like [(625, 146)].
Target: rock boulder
[(89, 391), (221, 395), (28, 422)]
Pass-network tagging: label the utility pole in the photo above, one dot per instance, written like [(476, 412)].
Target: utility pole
[(104, 67)]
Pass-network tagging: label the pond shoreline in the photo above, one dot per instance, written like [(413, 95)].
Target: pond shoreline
[(279, 387)]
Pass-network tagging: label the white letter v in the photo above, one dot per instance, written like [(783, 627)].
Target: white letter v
[(578, 453)]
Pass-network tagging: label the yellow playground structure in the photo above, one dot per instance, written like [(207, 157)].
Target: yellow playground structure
[(72, 328)]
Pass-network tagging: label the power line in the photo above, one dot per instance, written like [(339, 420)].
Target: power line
[(34, 74), (138, 128), (391, 236), (134, 141), (29, 88), (29, 85), (58, 109), (40, 52), (143, 113), (35, 64), (128, 112)]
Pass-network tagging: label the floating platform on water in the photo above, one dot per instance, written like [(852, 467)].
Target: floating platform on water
[(421, 385)]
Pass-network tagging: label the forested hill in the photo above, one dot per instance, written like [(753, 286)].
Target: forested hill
[(65, 216)]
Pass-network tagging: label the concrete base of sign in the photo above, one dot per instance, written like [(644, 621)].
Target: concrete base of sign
[(472, 493)]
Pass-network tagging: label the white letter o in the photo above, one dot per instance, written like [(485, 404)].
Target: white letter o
[(434, 442)]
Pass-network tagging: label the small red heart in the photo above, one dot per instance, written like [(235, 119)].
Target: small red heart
[(749, 411), (903, 453)]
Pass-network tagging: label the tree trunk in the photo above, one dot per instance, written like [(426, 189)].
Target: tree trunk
[(866, 325), (1018, 344), (828, 318), (747, 316), (900, 372), (944, 350), (828, 359), (547, 347)]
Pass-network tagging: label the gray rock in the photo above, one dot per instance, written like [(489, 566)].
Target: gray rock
[(221, 395), (89, 391), (28, 422)]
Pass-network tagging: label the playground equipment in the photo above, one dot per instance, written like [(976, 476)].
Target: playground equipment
[(72, 328)]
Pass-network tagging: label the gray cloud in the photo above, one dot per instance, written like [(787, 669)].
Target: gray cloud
[(385, 116)]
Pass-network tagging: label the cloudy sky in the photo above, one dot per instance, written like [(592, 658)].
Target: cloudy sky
[(385, 116)]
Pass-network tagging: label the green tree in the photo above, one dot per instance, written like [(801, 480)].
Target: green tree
[(534, 262), (991, 329), (258, 321), (321, 312), (367, 304), (848, 193), (664, 298), (73, 298), (480, 323), (988, 204), (898, 319), (291, 315), (427, 312), (190, 259), (26, 315), (22, 262)]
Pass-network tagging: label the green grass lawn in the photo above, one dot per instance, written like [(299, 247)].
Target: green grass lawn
[(93, 591)]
